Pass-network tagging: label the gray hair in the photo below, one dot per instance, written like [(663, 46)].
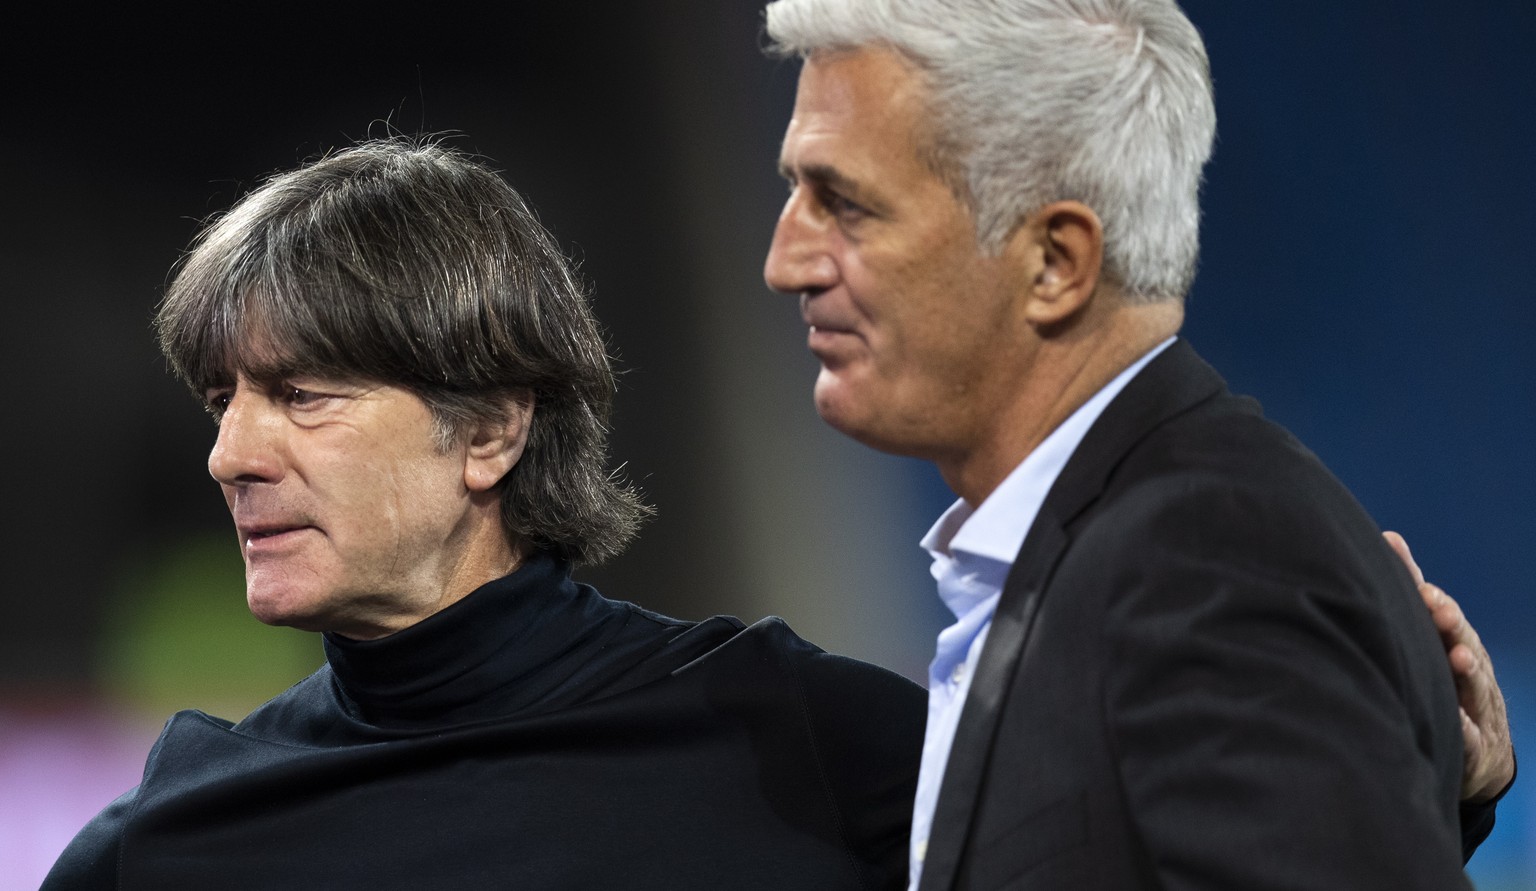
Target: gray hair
[(403, 262), (1107, 102)]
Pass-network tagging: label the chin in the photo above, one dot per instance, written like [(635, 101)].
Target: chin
[(268, 615), (862, 422), (832, 404), (282, 608), (849, 421)]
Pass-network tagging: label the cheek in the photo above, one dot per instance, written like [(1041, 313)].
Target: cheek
[(955, 316), (420, 497), (912, 300), (359, 496)]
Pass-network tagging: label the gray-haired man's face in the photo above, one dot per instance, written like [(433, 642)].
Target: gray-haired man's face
[(908, 316)]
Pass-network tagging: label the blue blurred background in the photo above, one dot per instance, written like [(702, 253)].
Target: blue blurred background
[(1367, 274)]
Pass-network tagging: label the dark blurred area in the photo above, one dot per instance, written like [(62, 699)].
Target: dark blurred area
[(1367, 274)]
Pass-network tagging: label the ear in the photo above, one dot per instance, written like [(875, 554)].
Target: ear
[(494, 448), (1061, 247)]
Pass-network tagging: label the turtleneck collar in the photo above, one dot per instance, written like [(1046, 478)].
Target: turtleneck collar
[(524, 642)]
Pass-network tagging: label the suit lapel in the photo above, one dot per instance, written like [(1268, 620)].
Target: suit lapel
[(1170, 384), (964, 773)]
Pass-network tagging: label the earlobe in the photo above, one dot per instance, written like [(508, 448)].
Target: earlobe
[(1067, 240), (494, 448)]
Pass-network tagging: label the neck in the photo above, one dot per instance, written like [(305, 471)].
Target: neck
[(1064, 371), (492, 557), (480, 552)]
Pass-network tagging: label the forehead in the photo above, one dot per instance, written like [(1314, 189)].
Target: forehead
[(856, 107)]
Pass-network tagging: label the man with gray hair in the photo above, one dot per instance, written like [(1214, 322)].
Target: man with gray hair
[(411, 393), (1183, 655)]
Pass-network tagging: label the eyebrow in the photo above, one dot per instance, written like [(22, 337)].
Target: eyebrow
[(827, 176), (824, 174)]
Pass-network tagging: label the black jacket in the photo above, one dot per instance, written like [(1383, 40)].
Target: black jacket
[(1206, 671), (534, 735)]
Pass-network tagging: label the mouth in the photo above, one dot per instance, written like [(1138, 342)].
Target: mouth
[(822, 319), (828, 329), (831, 345), (263, 536)]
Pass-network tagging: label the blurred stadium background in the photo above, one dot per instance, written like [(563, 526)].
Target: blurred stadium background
[(1367, 274)]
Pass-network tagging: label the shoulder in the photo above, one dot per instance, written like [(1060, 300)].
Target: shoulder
[(1224, 508), (863, 728), (90, 860), (1218, 515), (867, 721), (1223, 553), (1222, 475), (847, 705), (303, 710), (1177, 442), (842, 689), (823, 677)]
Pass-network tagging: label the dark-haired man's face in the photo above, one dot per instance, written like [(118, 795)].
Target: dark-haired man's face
[(351, 518)]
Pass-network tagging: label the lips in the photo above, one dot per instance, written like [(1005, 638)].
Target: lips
[(819, 338), (267, 535), (828, 337), (257, 536), (821, 320)]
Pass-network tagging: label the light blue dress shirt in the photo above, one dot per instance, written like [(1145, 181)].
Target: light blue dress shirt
[(972, 551)]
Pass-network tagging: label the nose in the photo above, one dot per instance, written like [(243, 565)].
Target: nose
[(799, 259), (246, 450)]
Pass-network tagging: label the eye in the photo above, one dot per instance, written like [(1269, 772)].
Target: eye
[(845, 210), (300, 397), (216, 402)]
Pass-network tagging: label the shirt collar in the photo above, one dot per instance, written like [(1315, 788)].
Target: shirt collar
[(994, 531)]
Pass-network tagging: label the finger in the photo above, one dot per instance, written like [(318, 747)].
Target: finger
[(1471, 743), (1447, 616), (1464, 661), (1400, 546), (1452, 621), (1439, 610)]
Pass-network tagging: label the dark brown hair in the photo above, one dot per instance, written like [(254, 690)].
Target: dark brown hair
[(404, 262)]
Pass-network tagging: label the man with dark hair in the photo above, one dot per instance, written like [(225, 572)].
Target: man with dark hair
[(1183, 656), (410, 392)]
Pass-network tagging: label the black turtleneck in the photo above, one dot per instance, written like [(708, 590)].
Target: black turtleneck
[(527, 643), (533, 735)]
